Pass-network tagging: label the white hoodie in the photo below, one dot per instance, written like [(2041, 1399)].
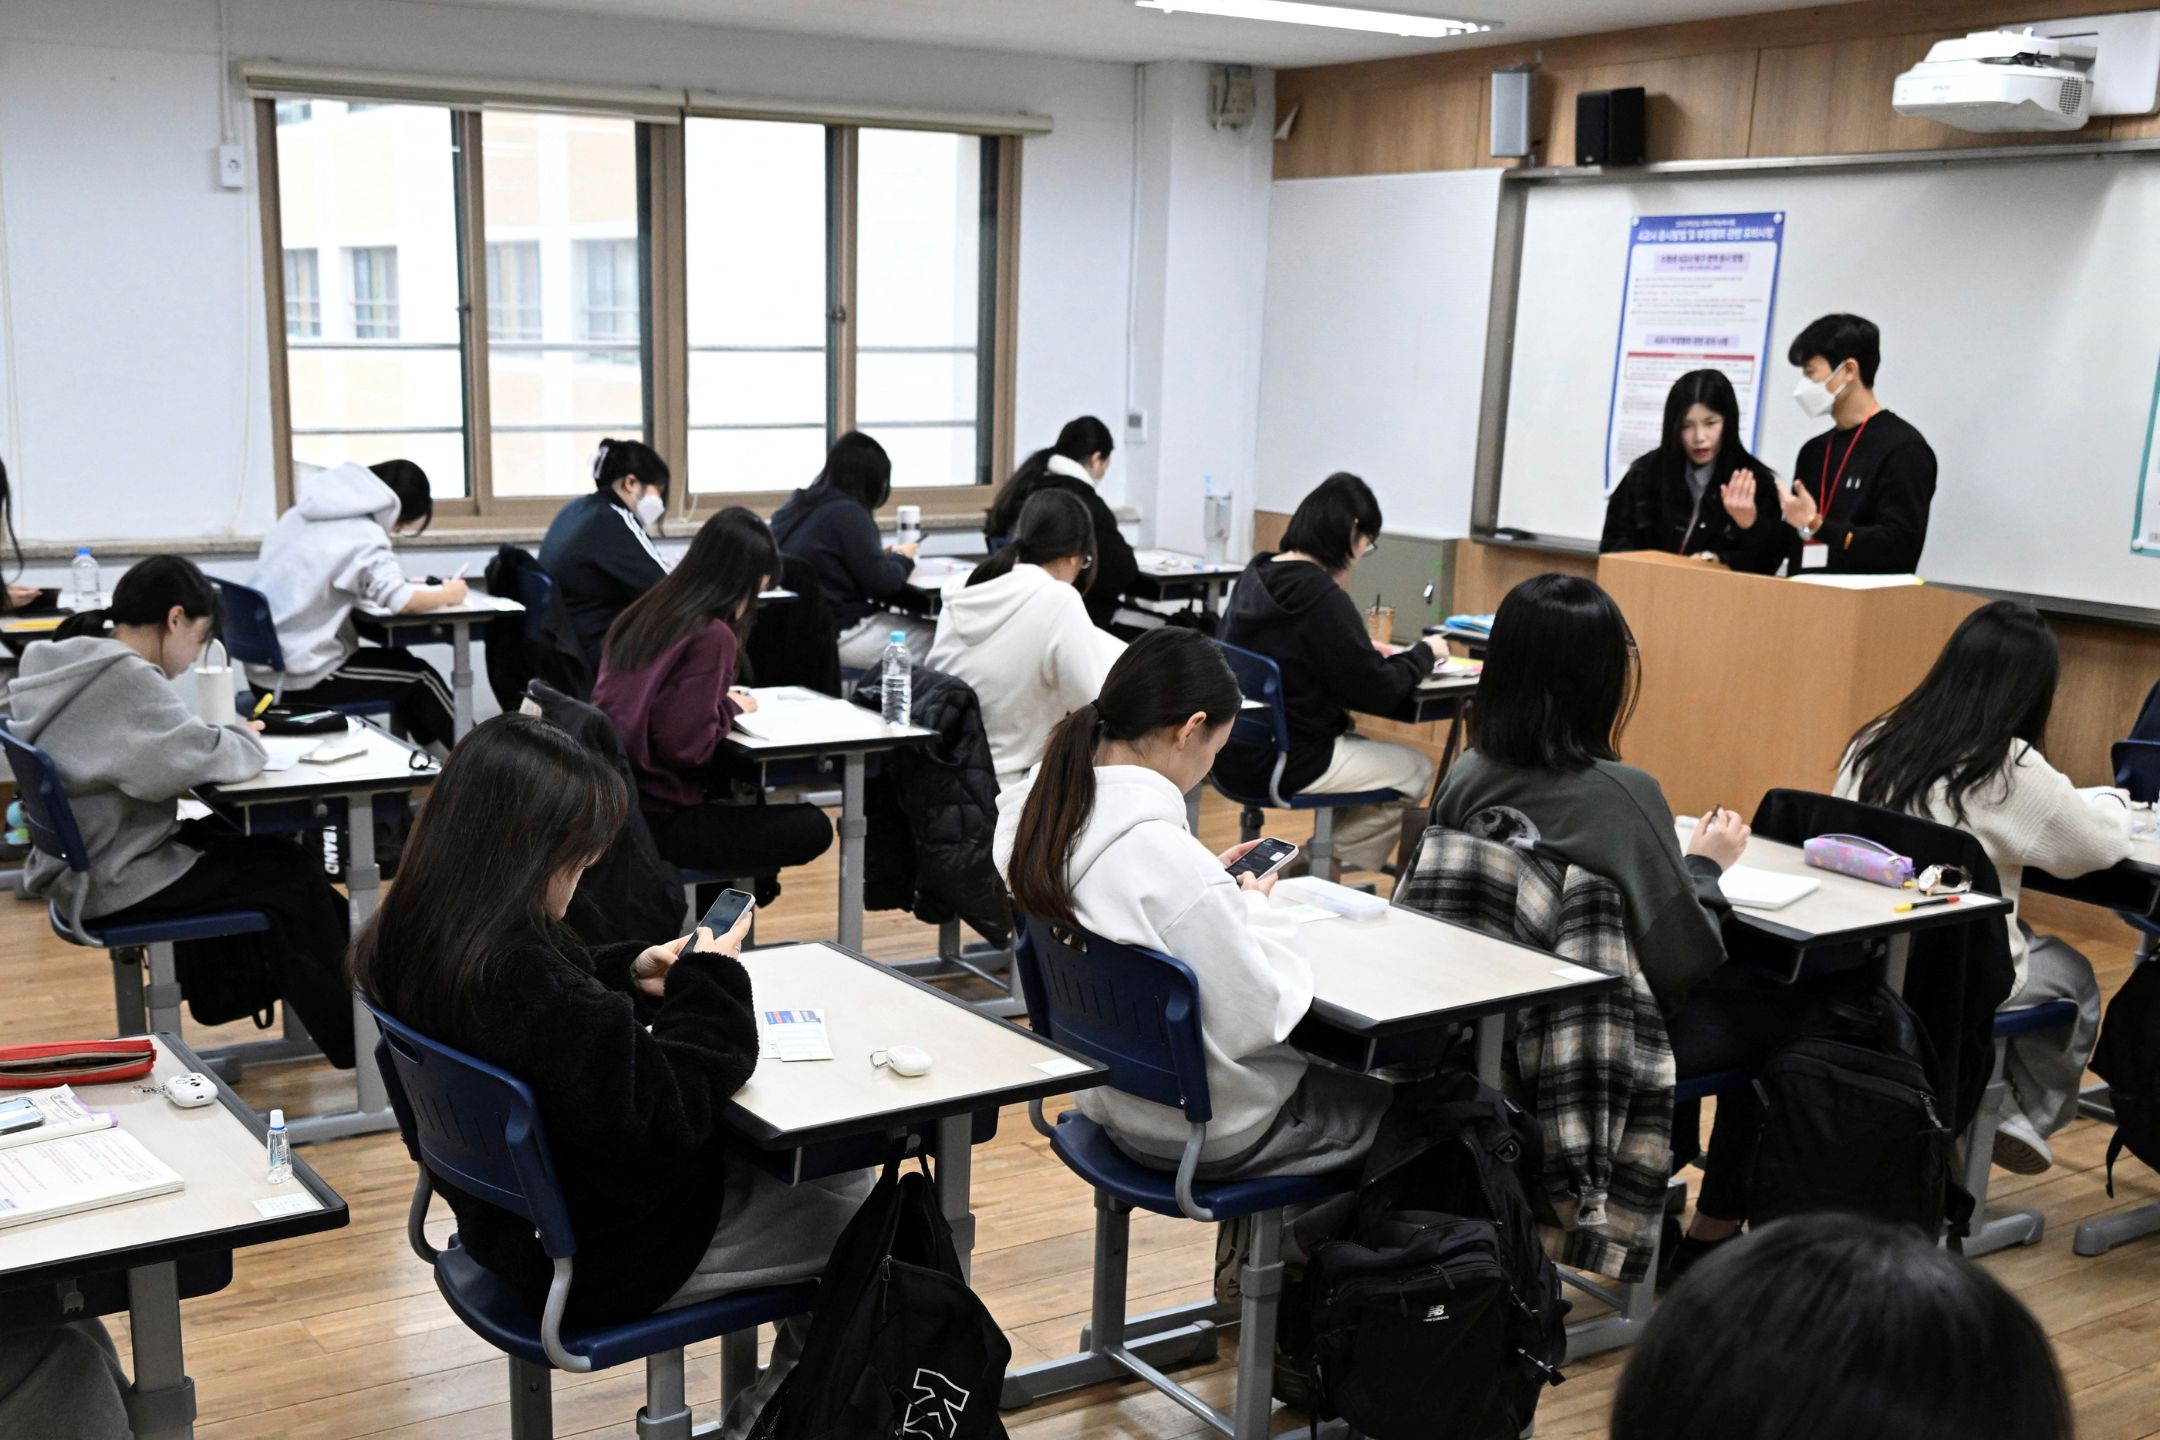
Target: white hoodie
[(328, 553), (1140, 878), (1024, 644)]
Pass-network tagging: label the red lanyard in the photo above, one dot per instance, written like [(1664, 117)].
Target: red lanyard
[(1829, 486)]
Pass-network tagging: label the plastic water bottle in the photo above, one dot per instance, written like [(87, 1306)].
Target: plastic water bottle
[(908, 525), (85, 573), (1215, 523), (280, 1149), (898, 680)]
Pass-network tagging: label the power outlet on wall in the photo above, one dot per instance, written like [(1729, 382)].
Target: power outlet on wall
[(1136, 426), (231, 167)]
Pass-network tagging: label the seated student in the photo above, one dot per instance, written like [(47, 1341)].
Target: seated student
[(1833, 1325), (597, 550), (1699, 492), (330, 553), (1559, 685), (128, 749), (1018, 633), (667, 677), (13, 596), (1076, 464), (1097, 837), (1963, 750), (833, 524), (1292, 608), (1861, 491), (632, 1051), (64, 1380)]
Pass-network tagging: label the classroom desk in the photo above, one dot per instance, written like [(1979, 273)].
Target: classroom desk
[(166, 1245), (924, 594), (1474, 641), (1172, 575), (802, 725), (978, 1065), (390, 767), (453, 623)]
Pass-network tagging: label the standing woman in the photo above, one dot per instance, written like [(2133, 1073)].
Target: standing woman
[(667, 676), (1076, 464), (597, 550), (1964, 750), (832, 523), (100, 704), (1696, 494)]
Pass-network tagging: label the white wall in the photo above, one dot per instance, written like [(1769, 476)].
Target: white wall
[(132, 351)]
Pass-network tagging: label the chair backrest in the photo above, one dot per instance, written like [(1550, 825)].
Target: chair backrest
[(2147, 726), (2137, 768), (50, 819), (1134, 1010), (1260, 679), (250, 634), (475, 1127), (532, 587)]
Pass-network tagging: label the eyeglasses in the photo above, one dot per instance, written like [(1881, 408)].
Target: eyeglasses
[(1943, 880)]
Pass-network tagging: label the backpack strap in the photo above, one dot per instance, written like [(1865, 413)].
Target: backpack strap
[(2115, 1148)]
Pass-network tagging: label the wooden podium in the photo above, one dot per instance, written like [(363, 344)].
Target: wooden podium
[(1750, 683)]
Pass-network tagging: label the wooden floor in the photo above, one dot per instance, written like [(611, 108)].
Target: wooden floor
[(343, 1335)]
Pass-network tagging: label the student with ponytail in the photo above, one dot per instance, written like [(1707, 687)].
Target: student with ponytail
[(1018, 633), (1097, 837), (599, 550), (98, 702), (1076, 464)]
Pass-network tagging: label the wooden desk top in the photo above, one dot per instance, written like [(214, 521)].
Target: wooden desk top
[(977, 1063), (218, 1149), (387, 765), (1844, 909)]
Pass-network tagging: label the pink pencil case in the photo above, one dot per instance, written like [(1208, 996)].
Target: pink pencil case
[(1860, 858)]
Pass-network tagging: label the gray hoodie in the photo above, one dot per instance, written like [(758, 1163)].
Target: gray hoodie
[(328, 553), (127, 749)]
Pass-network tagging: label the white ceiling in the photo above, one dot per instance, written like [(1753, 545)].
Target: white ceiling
[(1118, 30)]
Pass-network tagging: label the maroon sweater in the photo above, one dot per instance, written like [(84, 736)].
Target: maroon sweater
[(672, 714)]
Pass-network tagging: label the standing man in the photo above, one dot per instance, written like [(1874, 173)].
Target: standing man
[(1858, 502)]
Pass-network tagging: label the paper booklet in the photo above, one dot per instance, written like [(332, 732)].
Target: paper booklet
[(1755, 889), (791, 714), (64, 1115), (77, 1173)]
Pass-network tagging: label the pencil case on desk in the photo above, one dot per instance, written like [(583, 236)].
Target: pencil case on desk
[(293, 720), (75, 1062), (1861, 858)]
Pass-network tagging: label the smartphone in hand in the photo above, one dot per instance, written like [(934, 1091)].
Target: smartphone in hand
[(1264, 859), (725, 911)]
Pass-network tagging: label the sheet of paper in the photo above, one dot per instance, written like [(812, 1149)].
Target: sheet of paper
[(276, 1207), (1754, 889), (795, 1034), (1304, 914), (80, 1172), (1060, 1066)]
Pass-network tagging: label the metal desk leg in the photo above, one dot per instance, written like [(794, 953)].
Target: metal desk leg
[(955, 1167), (461, 706), (1491, 1035), (161, 1401), (852, 827), (371, 1111)]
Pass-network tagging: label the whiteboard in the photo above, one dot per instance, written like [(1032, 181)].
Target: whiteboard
[(1372, 349), (2020, 307)]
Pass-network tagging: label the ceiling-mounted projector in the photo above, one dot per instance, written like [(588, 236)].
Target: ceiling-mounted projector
[(1994, 80)]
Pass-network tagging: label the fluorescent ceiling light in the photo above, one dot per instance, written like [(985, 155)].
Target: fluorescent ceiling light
[(1341, 17)]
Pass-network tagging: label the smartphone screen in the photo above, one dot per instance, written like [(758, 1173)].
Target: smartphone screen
[(726, 910), (19, 1115), (1264, 858)]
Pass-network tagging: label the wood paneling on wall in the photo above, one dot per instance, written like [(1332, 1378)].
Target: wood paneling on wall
[(1813, 81)]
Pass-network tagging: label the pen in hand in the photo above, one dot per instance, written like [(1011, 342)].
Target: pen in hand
[(268, 698)]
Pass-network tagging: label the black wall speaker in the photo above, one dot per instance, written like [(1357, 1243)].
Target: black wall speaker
[(1610, 127)]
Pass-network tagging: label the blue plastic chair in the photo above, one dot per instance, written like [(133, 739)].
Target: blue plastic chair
[(251, 637), (1138, 1012), (2024, 1227), (479, 1129), (2137, 770), (1261, 679), (139, 1009)]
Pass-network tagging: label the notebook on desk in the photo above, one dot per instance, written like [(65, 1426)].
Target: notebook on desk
[(795, 715), (1753, 889), (76, 1173)]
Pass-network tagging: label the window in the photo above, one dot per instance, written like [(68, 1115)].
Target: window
[(303, 295), (294, 112), (374, 293), (513, 290), (607, 290)]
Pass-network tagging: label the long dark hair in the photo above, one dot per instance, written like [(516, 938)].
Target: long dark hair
[(857, 467), (1053, 525), (617, 458), (407, 481), (518, 802), (1162, 680), (1832, 1325), (728, 561), (146, 595), (1561, 677), (1324, 520), (1712, 390), (1992, 686), (7, 518), (1081, 439)]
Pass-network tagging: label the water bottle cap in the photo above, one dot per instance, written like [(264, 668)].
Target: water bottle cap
[(82, 550), (277, 1119), (899, 637)]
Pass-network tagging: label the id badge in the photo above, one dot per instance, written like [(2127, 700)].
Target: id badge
[(1814, 555)]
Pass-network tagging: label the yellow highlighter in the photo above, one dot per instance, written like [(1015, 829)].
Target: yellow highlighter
[(269, 697)]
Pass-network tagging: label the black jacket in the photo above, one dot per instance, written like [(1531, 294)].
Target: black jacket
[(1115, 566), (524, 648), (632, 1116), (841, 541), (1877, 521), (795, 642), (1651, 509), (1295, 614), (598, 566), (932, 813)]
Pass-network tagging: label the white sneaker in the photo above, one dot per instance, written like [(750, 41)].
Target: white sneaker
[(2019, 1148)]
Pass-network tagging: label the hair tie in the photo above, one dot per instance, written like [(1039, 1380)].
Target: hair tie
[(1102, 721), (599, 460)]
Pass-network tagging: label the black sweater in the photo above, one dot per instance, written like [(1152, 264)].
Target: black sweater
[(841, 541), (632, 1115), (1295, 613), (1876, 523), (1116, 568), (597, 565), (1651, 509)]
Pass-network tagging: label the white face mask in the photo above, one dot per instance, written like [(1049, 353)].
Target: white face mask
[(649, 508), (1815, 397)]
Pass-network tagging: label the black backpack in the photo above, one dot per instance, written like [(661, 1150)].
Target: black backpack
[(898, 1345), (1438, 1315), (2128, 1058), (1851, 1122)]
